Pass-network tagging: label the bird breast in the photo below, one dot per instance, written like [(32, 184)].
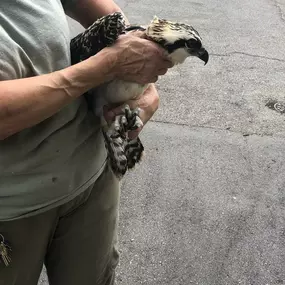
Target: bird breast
[(119, 91)]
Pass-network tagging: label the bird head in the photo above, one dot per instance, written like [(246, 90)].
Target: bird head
[(180, 40)]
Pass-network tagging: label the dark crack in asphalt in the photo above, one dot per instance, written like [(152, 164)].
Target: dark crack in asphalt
[(227, 129), (247, 54), (279, 9)]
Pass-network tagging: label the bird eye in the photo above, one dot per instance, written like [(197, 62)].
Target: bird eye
[(193, 44)]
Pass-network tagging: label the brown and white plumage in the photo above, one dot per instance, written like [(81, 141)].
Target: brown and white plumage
[(179, 39)]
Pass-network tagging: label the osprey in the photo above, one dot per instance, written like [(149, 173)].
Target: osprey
[(180, 40)]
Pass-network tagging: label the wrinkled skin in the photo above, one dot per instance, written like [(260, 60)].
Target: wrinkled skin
[(138, 59)]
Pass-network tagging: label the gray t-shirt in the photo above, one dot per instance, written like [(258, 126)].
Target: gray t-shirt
[(52, 162)]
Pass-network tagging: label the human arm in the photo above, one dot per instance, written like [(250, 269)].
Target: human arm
[(26, 102)]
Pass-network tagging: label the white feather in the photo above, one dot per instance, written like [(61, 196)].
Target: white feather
[(179, 56), (116, 92), (119, 91)]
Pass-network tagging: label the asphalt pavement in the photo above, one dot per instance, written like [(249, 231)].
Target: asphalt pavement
[(207, 204)]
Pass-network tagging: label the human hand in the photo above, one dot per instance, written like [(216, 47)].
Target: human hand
[(139, 60), (148, 103)]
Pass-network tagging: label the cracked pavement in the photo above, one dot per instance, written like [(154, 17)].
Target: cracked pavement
[(280, 6), (207, 204)]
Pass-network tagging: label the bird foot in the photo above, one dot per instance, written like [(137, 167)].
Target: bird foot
[(124, 153)]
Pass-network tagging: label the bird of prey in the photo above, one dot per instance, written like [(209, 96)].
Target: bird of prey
[(178, 39)]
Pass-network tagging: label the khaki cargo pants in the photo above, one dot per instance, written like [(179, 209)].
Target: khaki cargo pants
[(76, 241)]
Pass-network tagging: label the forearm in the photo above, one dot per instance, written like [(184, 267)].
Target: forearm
[(87, 11), (26, 102)]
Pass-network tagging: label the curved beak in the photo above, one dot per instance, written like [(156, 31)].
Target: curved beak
[(203, 55)]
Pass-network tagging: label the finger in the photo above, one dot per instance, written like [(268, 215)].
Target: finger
[(162, 71), (164, 62), (167, 64), (147, 80), (110, 114), (133, 134), (154, 79)]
